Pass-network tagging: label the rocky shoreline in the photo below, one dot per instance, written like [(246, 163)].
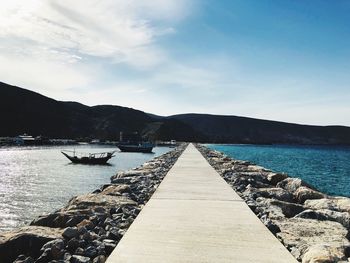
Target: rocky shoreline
[(313, 226), (89, 227)]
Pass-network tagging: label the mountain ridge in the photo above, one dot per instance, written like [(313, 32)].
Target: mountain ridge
[(252, 118), (27, 111)]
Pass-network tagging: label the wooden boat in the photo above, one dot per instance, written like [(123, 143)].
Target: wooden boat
[(90, 158), (140, 148)]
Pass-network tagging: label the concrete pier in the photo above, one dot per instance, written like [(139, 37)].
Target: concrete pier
[(195, 216)]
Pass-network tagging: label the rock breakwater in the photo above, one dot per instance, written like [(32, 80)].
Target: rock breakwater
[(89, 227), (313, 226)]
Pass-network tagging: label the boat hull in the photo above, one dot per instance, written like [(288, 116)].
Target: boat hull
[(87, 160), (135, 148)]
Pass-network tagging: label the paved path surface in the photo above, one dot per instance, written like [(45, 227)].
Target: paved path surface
[(195, 216)]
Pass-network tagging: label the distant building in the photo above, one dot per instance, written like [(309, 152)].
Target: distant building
[(95, 141), (63, 141), (25, 139)]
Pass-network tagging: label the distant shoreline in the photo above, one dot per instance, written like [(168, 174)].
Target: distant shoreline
[(278, 144)]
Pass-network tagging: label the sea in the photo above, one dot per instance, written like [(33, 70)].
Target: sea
[(325, 167), (37, 180)]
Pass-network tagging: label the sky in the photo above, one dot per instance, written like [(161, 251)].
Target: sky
[(285, 60)]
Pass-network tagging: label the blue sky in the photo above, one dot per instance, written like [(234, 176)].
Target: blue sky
[(279, 60)]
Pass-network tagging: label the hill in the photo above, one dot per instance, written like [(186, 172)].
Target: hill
[(234, 129), (24, 111)]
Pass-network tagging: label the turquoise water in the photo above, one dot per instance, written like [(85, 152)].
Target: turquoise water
[(36, 180), (327, 168)]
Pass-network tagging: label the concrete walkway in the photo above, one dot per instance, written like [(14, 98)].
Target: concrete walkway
[(195, 216)]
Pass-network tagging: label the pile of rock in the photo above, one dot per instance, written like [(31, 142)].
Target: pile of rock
[(89, 227), (313, 226)]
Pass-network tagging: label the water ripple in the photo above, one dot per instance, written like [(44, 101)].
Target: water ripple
[(325, 167), (37, 180)]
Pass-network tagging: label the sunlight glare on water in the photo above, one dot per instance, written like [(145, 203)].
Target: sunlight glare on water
[(36, 180)]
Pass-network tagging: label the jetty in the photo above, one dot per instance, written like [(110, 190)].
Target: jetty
[(195, 216)]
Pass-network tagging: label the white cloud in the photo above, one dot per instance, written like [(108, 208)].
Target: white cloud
[(65, 36), (109, 28), (46, 77)]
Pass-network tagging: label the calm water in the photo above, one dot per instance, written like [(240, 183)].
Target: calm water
[(326, 168), (35, 180)]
